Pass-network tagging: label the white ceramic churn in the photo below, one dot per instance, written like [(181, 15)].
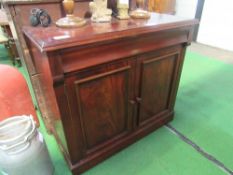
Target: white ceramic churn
[(22, 148)]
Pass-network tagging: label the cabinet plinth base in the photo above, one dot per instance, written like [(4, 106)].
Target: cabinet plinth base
[(118, 146)]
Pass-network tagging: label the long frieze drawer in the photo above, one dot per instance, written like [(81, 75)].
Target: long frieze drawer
[(78, 58)]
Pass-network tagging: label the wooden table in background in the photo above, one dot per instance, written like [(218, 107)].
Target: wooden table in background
[(10, 45)]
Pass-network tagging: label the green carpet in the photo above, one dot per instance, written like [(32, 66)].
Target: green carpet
[(203, 114), (4, 57), (159, 153), (204, 106)]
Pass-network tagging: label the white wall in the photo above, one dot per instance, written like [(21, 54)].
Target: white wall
[(216, 27), (186, 8)]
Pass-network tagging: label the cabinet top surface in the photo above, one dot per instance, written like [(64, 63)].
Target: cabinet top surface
[(53, 38)]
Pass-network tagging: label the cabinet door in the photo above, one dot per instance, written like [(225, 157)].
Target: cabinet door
[(99, 102), (156, 82)]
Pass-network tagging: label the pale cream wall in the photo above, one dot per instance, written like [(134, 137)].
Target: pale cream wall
[(216, 27), (186, 8)]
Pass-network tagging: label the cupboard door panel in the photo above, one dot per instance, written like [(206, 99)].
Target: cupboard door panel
[(101, 98), (103, 104), (155, 85)]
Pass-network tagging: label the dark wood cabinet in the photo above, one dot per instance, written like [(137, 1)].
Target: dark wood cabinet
[(111, 83)]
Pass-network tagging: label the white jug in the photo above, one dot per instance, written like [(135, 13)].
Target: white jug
[(22, 148)]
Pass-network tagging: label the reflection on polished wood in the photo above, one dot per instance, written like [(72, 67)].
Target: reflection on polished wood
[(112, 83), (48, 38)]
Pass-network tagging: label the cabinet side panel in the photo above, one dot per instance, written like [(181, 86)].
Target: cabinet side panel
[(50, 96), (44, 79)]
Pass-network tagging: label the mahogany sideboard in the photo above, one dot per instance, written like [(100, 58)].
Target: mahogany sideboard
[(111, 83)]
